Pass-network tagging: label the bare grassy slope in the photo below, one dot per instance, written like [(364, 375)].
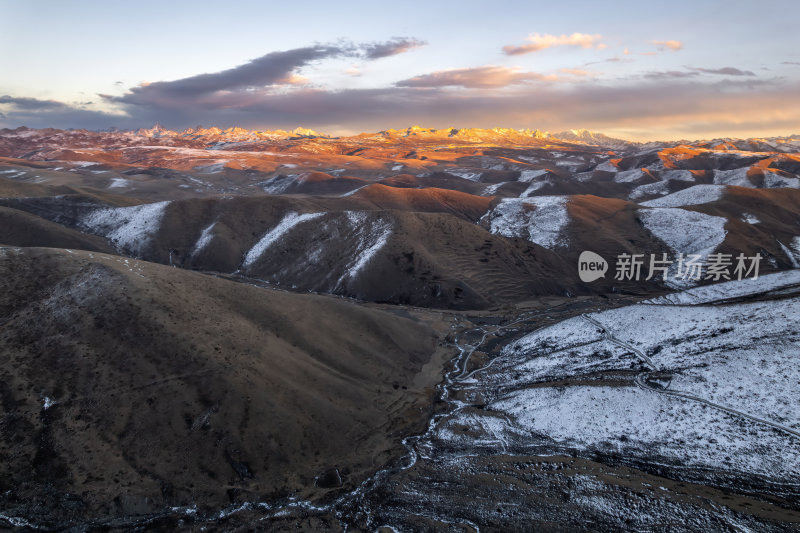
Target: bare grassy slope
[(128, 387), (24, 229)]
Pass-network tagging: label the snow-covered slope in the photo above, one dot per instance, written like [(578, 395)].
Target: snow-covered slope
[(703, 390), (695, 195), (684, 231), (128, 228), (539, 219), (284, 226)]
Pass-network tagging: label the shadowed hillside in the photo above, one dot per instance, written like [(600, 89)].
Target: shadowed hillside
[(129, 388)]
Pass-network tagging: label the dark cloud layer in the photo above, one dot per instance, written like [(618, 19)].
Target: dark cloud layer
[(33, 112), (725, 71), (270, 70), (671, 74), (696, 71), (275, 68), (31, 104), (396, 45), (474, 78)]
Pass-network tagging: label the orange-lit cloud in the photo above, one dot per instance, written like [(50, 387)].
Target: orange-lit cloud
[(292, 79), (541, 42), (575, 71), (486, 77), (672, 45)]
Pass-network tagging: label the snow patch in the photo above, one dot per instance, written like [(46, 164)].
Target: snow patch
[(541, 219), (128, 228), (371, 238), (607, 166), (750, 218), (649, 189), (535, 186), (213, 168), (737, 176), (792, 255), (284, 226), (491, 189), (729, 289), (205, 238), (526, 176), (118, 183), (278, 184), (351, 193), (677, 175), (776, 181), (731, 355), (695, 195), (685, 232), (629, 176), (471, 176)]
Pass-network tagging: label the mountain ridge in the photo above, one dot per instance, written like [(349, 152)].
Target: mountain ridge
[(499, 135)]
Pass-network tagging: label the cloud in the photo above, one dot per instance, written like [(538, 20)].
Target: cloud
[(397, 45), (696, 71), (575, 71), (672, 45), (33, 112), (274, 68), (30, 104), (541, 42), (790, 62), (475, 78), (294, 79), (615, 59), (725, 71), (670, 74)]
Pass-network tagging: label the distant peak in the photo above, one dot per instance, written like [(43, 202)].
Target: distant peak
[(305, 132), (582, 135)]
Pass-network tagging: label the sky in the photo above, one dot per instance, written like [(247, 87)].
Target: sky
[(637, 70)]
